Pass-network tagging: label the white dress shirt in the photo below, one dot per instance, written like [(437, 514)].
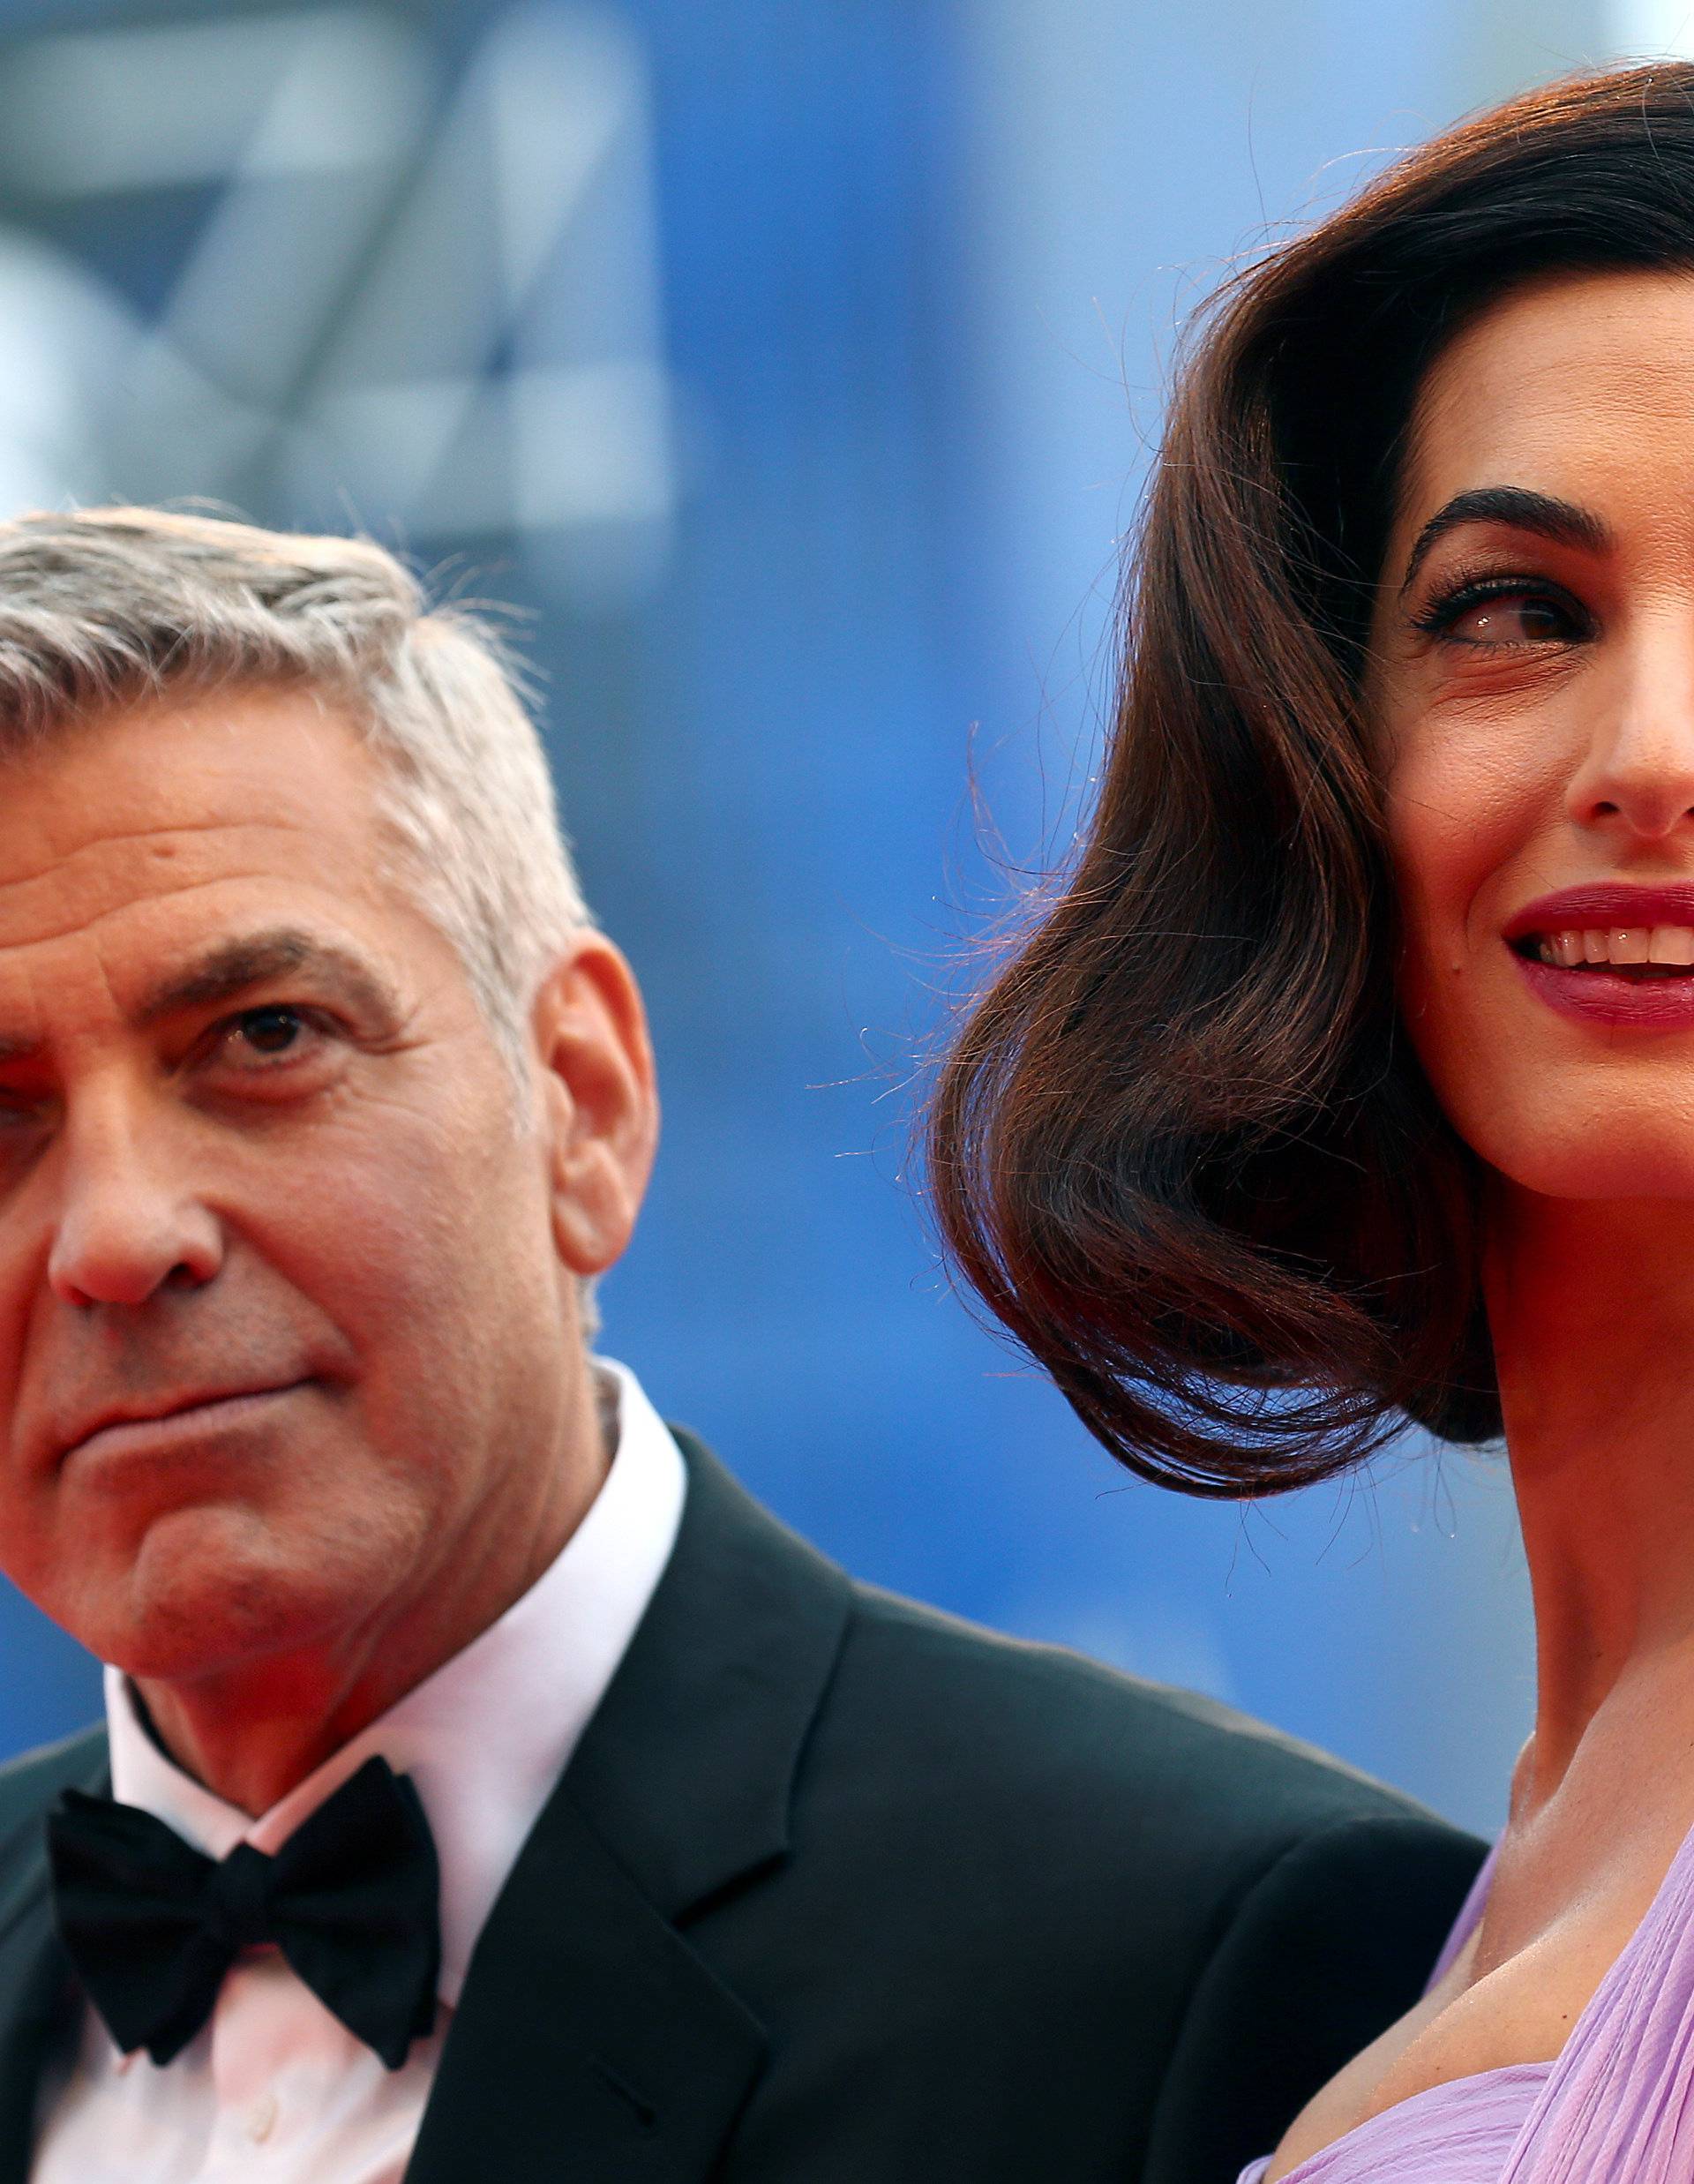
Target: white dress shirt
[(273, 2089)]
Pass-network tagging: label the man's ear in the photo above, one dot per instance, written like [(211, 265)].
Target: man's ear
[(600, 1109)]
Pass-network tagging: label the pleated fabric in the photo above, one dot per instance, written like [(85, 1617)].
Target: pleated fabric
[(1461, 2133)]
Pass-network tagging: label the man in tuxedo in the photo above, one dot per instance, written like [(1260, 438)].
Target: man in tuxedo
[(488, 1788)]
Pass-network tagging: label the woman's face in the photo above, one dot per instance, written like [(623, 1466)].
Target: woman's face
[(1532, 692)]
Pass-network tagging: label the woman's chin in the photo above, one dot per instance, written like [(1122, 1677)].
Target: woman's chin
[(1652, 1160)]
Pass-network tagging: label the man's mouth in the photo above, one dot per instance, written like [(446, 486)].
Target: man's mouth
[(178, 1415)]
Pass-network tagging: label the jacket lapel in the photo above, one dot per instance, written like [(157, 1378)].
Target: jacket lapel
[(34, 1976), (37, 1986), (591, 2042)]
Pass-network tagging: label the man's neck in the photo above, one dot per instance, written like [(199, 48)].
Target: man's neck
[(251, 1732)]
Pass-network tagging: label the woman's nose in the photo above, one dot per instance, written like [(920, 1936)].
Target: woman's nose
[(1636, 774), (128, 1220)]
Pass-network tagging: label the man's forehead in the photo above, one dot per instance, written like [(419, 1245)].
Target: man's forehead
[(228, 778), (168, 855)]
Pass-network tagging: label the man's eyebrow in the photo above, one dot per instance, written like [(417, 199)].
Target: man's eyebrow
[(1564, 521), (236, 966), (246, 960)]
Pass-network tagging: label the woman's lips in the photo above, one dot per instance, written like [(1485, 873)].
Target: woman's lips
[(1597, 996)]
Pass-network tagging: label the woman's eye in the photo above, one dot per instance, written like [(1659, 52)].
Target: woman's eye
[(1506, 615)]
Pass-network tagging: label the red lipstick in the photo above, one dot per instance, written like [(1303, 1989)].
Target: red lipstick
[(1597, 997)]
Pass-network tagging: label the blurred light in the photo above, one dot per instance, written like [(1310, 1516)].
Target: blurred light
[(423, 304), (149, 109), (58, 323), (1165, 1638), (1648, 29), (549, 133)]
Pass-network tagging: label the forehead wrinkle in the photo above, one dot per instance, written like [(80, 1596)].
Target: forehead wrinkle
[(115, 910), (139, 835)]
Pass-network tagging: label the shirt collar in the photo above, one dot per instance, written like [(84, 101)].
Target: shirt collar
[(487, 1736)]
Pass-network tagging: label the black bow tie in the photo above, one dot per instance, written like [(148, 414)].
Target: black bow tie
[(350, 1899)]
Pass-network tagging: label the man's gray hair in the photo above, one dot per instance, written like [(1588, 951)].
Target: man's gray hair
[(106, 605)]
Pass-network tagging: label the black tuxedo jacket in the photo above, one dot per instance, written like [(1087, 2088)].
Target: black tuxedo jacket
[(838, 1890)]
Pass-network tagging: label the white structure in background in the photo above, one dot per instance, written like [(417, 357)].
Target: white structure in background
[(61, 331), (1645, 29), (402, 311)]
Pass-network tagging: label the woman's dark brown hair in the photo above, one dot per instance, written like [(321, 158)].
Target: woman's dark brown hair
[(1182, 1147)]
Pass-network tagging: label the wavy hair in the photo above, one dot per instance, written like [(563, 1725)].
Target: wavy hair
[(1182, 1147)]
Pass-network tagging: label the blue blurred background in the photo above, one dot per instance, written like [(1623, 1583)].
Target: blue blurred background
[(792, 366)]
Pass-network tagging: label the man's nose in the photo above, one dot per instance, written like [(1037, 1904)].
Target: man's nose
[(127, 1222)]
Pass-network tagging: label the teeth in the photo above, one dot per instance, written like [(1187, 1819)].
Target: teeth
[(1626, 943)]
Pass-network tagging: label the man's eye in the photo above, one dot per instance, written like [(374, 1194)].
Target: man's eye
[(267, 1034)]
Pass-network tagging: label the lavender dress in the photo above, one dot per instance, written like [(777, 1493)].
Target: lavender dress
[(1617, 2103)]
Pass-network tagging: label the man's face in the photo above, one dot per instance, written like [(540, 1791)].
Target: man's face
[(258, 1169)]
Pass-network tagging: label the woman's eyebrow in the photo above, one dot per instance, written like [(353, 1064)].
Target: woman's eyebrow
[(1564, 521)]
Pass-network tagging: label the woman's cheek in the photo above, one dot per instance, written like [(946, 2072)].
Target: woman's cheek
[(1421, 885), (1439, 876)]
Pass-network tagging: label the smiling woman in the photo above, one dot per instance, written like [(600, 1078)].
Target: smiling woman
[(1349, 1076), (1181, 1146)]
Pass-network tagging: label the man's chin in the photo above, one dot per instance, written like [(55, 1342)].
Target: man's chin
[(208, 1588)]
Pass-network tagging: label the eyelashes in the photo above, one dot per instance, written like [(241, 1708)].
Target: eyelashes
[(254, 1026), (1468, 593)]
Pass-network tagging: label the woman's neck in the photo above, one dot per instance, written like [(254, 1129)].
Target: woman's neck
[(1591, 1306)]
